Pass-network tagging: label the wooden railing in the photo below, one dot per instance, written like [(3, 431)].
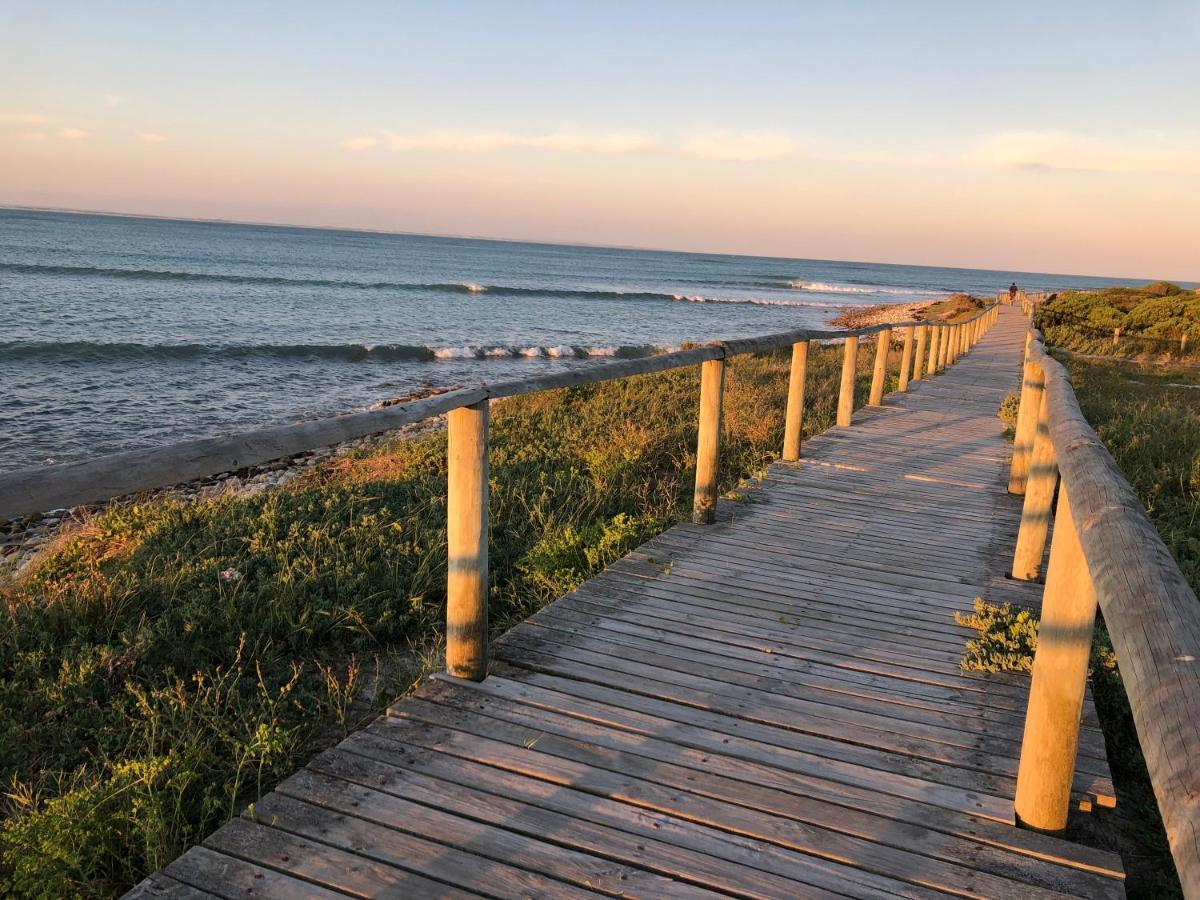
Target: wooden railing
[(1029, 301), (36, 490), (1104, 551)]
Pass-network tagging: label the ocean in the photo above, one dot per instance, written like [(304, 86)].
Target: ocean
[(120, 332)]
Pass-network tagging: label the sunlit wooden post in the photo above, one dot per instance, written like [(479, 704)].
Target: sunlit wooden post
[(919, 361), (943, 345), (467, 542), (1039, 498), (879, 373), (793, 425), (1032, 387), (708, 441), (1060, 667), (846, 395), (906, 357), (935, 332)]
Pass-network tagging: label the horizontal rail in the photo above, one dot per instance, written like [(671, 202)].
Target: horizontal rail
[(1151, 613), (41, 488)]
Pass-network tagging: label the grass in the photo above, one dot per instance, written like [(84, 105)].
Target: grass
[(1159, 321), (1149, 419), (168, 662), (955, 308)]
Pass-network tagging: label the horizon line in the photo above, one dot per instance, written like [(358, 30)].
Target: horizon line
[(542, 242)]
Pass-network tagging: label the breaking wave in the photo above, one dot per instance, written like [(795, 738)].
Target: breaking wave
[(826, 288), (87, 351)]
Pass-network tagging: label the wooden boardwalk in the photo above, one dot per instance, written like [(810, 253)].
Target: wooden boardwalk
[(771, 706)]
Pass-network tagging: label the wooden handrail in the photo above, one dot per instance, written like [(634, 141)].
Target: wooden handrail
[(1152, 616), (36, 490), (41, 488)]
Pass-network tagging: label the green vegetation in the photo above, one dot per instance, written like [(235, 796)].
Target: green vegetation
[(168, 662), (1009, 409), (1160, 320), (1149, 419), (955, 308), (1007, 638)]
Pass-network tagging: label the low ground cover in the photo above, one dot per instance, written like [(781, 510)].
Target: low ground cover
[(1156, 321), (169, 661), (1149, 419)]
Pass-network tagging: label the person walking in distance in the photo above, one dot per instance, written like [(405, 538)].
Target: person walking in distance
[(1012, 293)]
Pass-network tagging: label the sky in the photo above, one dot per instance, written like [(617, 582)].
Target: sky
[(1048, 136)]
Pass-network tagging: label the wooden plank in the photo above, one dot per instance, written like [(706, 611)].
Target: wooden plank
[(234, 878), (322, 865), (329, 817), (789, 849), (890, 750), (691, 851), (769, 706), (528, 847), (160, 887), (952, 838)]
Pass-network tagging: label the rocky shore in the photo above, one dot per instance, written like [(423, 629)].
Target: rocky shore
[(883, 314), (23, 538)]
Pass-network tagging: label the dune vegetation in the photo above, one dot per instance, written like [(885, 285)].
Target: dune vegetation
[(1149, 419), (167, 662), (1156, 321)]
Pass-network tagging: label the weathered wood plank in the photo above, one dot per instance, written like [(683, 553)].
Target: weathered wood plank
[(772, 705)]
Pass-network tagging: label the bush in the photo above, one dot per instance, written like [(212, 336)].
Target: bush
[(133, 723), (1132, 322)]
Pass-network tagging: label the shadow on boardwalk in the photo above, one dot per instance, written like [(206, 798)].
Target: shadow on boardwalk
[(771, 706)]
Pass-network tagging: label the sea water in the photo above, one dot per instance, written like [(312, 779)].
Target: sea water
[(122, 332)]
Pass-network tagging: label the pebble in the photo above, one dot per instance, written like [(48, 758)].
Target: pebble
[(22, 539)]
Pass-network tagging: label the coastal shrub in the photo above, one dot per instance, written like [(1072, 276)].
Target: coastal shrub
[(1010, 408), (168, 662), (1149, 419), (1007, 638), (1149, 322)]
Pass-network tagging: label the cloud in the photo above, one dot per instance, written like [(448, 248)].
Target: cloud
[(735, 147), (21, 119), (111, 100), (150, 137), (489, 141), (1068, 151), (72, 134), (35, 136), (716, 145)]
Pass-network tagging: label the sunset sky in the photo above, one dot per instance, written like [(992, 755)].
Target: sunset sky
[(934, 133)]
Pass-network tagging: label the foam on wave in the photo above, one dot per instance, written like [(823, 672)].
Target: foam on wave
[(86, 351), (824, 287)]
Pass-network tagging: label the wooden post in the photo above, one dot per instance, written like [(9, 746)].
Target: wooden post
[(1060, 666), (467, 542), (943, 346), (906, 357), (1039, 497), (1032, 387), (879, 373), (934, 339), (846, 396), (919, 361), (794, 419), (708, 441)]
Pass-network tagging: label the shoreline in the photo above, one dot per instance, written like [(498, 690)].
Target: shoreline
[(24, 538), (882, 314)]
